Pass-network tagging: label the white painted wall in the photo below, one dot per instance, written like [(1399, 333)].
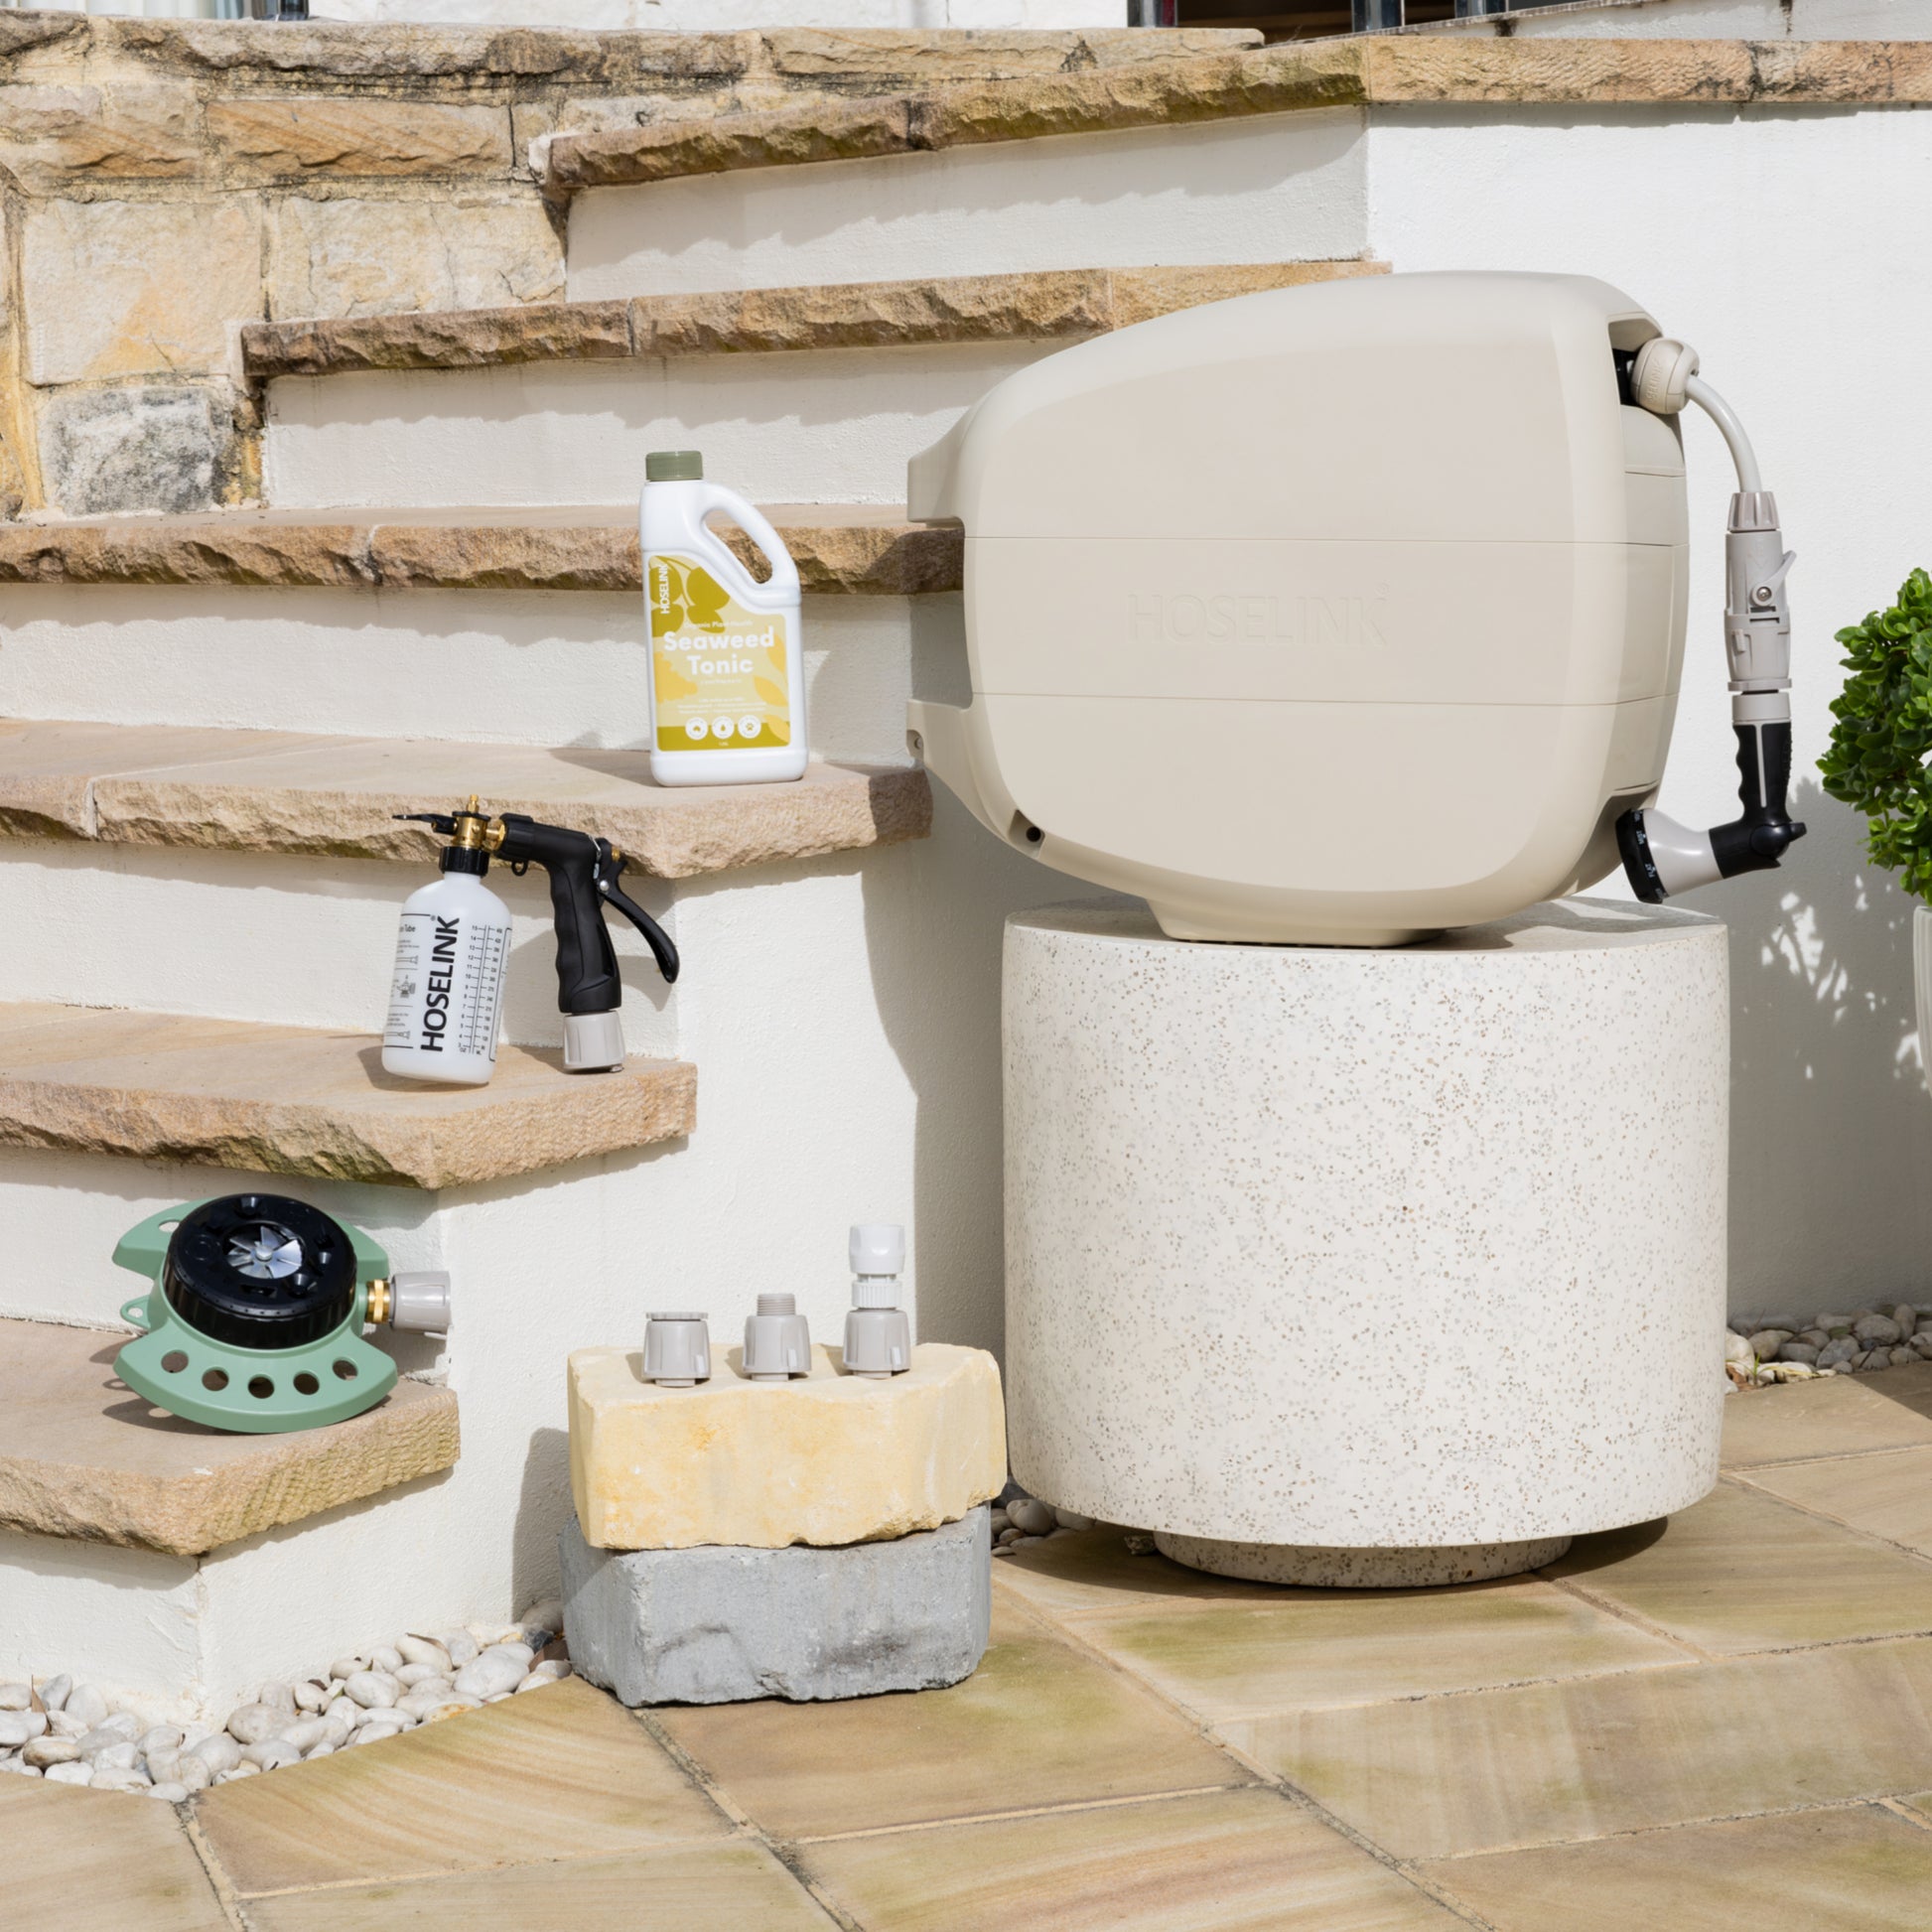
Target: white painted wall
[(1758, 237)]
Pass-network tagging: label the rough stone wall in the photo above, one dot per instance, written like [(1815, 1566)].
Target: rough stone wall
[(164, 182)]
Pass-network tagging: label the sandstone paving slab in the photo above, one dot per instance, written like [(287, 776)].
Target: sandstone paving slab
[(738, 1887), (558, 1773), (1491, 1770), (1037, 1723), (1221, 1862), (1887, 1496), (303, 1100), (1862, 1869), (1838, 1414), (1323, 1647), (99, 1862), (1740, 1572), (82, 1455)]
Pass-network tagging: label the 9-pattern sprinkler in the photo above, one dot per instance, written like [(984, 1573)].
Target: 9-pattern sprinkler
[(254, 1321)]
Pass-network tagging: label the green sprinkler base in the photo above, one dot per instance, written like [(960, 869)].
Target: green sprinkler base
[(251, 1391)]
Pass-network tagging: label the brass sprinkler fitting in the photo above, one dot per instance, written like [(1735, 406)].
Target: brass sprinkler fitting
[(379, 1307)]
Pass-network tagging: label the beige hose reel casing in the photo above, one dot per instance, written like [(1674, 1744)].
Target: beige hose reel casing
[(1337, 613)]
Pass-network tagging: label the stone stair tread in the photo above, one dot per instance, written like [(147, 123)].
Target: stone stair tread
[(299, 1100), (290, 791), (1039, 305), (82, 1455), (1378, 70), (864, 548)]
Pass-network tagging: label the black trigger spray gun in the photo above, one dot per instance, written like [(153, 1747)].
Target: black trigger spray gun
[(447, 996)]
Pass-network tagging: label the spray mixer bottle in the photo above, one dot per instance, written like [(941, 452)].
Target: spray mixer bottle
[(454, 948)]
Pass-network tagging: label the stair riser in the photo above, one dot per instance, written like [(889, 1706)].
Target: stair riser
[(286, 941), (493, 666), (1282, 187), (806, 426)]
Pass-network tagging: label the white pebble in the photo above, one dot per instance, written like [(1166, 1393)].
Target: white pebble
[(553, 1672), (302, 1734), (220, 1754), (272, 1753), (239, 1772), (53, 1692), (411, 1675), (41, 1752), (514, 1648), (64, 1724), (16, 1697), (491, 1673), (12, 1761), (418, 1651), (344, 1668), (1071, 1519), (1007, 1538), (278, 1697), (175, 1794), (373, 1690), (310, 1694), (460, 1644), (121, 1777), (192, 1772), (161, 1740), (17, 1726), (252, 1722), (1027, 1513), (1025, 1543), (76, 1772), (86, 1703), (385, 1657)]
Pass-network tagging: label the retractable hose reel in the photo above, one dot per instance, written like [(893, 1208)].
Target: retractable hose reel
[(254, 1323), (1350, 612)]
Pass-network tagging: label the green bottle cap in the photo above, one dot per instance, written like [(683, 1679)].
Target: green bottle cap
[(673, 465)]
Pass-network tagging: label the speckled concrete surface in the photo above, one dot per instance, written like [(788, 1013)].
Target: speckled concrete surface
[(1361, 1249), (1312, 1566)]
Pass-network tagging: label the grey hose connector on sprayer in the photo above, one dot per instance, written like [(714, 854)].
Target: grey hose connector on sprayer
[(878, 1336), (777, 1342), (1661, 857), (419, 1300)]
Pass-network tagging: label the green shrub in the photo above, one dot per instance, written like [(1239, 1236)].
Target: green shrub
[(1877, 757)]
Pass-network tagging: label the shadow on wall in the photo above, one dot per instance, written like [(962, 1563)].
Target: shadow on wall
[(543, 1507), (1831, 1125)]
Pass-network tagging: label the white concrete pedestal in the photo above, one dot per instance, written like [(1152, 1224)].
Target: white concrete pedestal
[(1348, 1267)]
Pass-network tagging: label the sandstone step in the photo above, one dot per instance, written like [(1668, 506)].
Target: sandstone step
[(793, 394), (80, 1457), (1288, 78), (292, 1100), (289, 792), (519, 625), (863, 549)]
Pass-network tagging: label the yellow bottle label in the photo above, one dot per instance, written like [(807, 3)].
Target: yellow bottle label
[(718, 669)]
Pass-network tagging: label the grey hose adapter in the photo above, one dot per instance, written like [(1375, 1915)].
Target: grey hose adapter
[(878, 1336), (1662, 857)]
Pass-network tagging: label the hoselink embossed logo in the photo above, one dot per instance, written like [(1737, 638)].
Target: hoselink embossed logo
[(1310, 623)]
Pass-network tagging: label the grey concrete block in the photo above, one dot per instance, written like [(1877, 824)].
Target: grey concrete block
[(722, 1623)]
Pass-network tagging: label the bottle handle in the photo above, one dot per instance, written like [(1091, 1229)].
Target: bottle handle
[(783, 581)]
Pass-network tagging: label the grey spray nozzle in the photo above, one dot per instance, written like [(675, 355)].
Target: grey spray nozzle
[(777, 1342), (878, 1336), (677, 1350)]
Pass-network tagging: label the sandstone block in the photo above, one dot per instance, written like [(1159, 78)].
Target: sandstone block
[(352, 257), (722, 1626), (827, 1459), (284, 135), (129, 288), (50, 134), (152, 447)]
